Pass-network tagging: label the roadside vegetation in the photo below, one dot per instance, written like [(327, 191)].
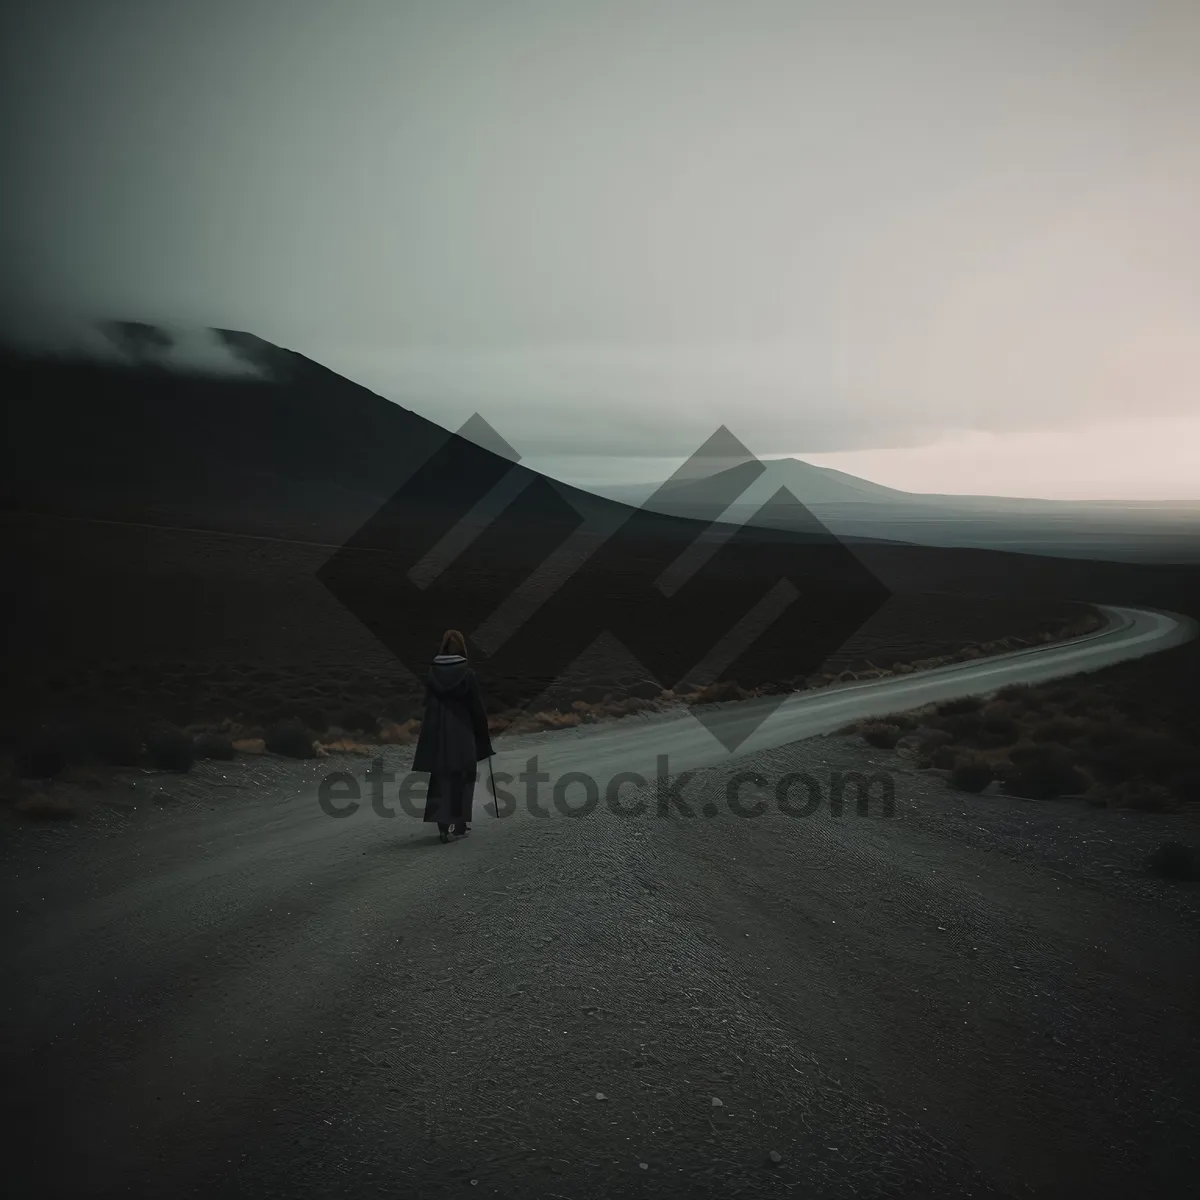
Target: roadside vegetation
[(102, 741), (1045, 743), (1126, 737)]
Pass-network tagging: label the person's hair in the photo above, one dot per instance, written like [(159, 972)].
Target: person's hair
[(453, 642)]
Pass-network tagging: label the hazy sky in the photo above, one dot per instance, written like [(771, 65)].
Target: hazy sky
[(942, 244)]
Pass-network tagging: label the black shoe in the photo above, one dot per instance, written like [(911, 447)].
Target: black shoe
[(461, 830), (443, 836)]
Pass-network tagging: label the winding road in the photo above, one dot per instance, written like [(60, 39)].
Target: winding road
[(229, 993), (605, 750)]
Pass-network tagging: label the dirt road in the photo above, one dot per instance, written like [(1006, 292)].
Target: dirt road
[(225, 992)]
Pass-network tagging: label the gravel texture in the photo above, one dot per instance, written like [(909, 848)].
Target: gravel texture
[(217, 990)]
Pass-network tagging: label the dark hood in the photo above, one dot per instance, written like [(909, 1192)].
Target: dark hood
[(449, 678)]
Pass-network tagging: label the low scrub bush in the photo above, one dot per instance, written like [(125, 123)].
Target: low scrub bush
[(945, 758), (170, 749), (715, 693), (1100, 734), (962, 727), (905, 722), (930, 737), (971, 774), (552, 719), (1083, 704), (1143, 795), (964, 704), (1059, 729), (115, 744), (292, 739), (214, 745), (312, 718), (881, 735), (399, 733), (1042, 771), (996, 730), (40, 807), (82, 777)]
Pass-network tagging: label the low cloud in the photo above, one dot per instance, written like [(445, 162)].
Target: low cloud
[(175, 347)]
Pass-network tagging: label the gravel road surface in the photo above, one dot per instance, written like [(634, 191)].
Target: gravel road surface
[(214, 988)]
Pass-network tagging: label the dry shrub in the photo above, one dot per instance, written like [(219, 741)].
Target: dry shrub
[(1143, 795), (313, 718), (41, 807), (997, 729), (961, 727), (347, 745), (997, 709), (250, 745), (291, 739), (945, 758), (82, 777), (1059, 729), (116, 743), (930, 737), (170, 749), (212, 744), (715, 693), (525, 723), (1043, 771), (557, 720), (904, 721), (881, 735), (399, 733), (972, 774)]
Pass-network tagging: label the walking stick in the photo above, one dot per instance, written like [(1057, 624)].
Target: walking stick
[(495, 798)]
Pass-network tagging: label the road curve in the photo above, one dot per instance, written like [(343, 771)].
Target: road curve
[(226, 993), (638, 746)]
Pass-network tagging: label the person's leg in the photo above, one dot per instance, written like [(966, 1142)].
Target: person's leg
[(443, 832), (463, 803)]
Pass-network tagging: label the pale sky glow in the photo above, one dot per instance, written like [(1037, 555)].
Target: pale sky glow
[(1127, 460), (941, 243)]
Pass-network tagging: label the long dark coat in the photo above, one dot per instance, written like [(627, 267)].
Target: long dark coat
[(454, 738)]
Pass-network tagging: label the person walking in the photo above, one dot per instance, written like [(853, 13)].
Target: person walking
[(454, 737)]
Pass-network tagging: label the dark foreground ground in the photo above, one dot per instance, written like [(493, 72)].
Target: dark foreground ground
[(224, 992)]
